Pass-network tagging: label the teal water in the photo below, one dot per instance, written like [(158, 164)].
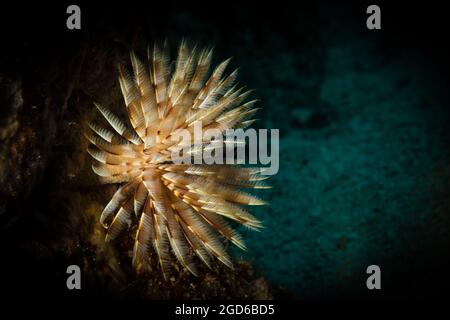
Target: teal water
[(363, 157)]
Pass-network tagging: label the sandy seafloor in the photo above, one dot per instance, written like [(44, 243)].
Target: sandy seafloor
[(364, 155)]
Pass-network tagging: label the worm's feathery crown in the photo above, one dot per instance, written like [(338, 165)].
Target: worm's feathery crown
[(177, 206)]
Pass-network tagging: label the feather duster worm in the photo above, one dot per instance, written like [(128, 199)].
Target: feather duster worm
[(178, 208)]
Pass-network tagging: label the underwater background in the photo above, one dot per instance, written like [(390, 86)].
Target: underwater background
[(364, 142)]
